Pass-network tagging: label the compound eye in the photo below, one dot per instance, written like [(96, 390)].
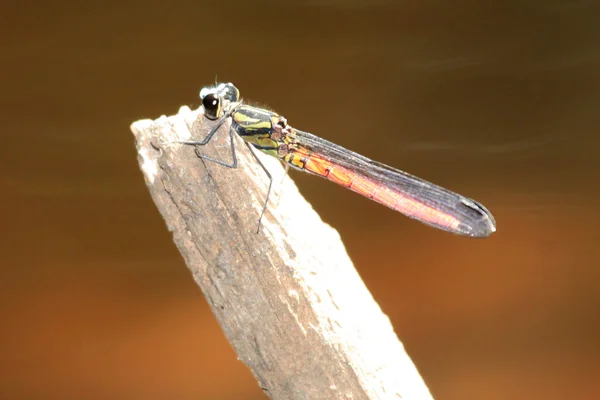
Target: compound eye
[(231, 93), (212, 106)]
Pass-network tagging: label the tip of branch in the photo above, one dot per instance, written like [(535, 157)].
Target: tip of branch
[(286, 292)]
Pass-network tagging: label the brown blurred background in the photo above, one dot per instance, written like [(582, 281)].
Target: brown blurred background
[(496, 100)]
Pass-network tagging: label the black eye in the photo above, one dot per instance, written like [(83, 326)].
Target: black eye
[(212, 106)]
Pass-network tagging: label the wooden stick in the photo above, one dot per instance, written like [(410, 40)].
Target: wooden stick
[(288, 298)]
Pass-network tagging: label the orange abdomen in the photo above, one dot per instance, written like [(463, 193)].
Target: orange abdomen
[(376, 191)]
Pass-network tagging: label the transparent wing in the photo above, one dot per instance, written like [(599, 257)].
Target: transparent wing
[(473, 219)]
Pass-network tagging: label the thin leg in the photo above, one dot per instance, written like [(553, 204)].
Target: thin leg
[(287, 168), (213, 130), (268, 190), (224, 164), (208, 137)]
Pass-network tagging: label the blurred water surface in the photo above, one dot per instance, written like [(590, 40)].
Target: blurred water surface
[(496, 100)]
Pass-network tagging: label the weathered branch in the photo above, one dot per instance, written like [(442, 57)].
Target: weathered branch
[(288, 298)]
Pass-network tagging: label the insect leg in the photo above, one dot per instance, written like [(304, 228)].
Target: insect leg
[(270, 184)]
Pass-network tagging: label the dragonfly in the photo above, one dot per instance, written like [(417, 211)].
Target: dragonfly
[(269, 132)]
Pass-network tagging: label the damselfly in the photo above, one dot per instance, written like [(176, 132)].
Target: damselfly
[(270, 133)]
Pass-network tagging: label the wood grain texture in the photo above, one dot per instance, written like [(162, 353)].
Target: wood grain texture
[(288, 298)]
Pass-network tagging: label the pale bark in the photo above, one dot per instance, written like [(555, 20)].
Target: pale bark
[(288, 298)]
